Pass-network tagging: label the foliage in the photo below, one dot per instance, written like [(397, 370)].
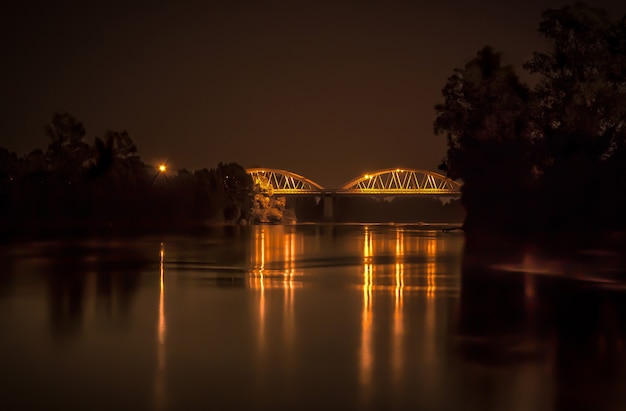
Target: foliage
[(483, 118), (237, 191), (266, 208), (106, 185), (580, 107), (67, 152), (543, 157)]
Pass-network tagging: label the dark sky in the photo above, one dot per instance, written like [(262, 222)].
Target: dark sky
[(326, 89)]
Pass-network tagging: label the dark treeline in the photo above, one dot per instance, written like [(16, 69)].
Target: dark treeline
[(105, 185), (550, 157), (397, 210)]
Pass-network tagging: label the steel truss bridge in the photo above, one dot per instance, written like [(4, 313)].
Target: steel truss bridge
[(387, 182)]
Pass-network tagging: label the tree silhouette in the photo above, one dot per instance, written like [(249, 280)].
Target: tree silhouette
[(484, 118), (73, 187), (236, 186), (548, 157), (67, 153), (579, 111)]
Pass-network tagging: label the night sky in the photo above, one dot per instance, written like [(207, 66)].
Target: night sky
[(326, 89)]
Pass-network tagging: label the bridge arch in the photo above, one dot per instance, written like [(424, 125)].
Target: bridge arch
[(286, 182), (402, 181)]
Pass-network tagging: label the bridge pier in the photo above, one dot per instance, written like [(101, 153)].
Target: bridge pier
[(327, 199)]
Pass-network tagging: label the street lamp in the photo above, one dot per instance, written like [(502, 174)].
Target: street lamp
[(160, 170)]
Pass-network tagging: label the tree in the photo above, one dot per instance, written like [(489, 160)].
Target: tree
[(208, 200), (580, 108), (236, 186), (67, 153), (276, 211), (266, 208), (68, 158), (118, 176), (116, 153), (552, 151), (484, 120), (263, 192), (9, 169)]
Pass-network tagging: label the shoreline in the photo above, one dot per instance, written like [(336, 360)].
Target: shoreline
[(71, 229)]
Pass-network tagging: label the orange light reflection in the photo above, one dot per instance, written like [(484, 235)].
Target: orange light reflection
[(431, 251), (366, 316), (259, 279), (397, 359), (290, 255), (431, 285), (159, 388), (273, 266)]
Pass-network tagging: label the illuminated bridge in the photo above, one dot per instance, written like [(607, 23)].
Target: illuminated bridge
[(388, 183)]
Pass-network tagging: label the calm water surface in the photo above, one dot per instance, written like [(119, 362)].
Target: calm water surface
[(304, 317)]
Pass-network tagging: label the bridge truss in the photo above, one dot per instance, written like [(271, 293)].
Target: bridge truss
[(286, 182), (392, 181), (398, 181)]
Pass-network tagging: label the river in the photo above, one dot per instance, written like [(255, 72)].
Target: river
[(306, 317)]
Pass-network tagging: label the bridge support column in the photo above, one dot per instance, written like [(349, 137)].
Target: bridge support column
[(328, 207)]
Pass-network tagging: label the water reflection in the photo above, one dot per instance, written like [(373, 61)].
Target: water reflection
[(159, 382), (161, 297), (288, 308), (87, 282), (397, 359), (398, 264), (366, 314), (7, 272), (356, 311), (66, 292), (561, 332), (393, 262), (274, 250), (360, 317)]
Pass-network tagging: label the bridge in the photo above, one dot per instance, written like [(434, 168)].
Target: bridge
[(387, 183)]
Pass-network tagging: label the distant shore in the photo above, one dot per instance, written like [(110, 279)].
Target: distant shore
[(75, 228)]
